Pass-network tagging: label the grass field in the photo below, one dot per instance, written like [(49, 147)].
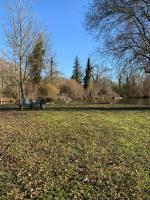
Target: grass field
[(75, 152)]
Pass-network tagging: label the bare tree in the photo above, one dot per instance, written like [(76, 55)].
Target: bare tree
[(125, 25), (53, 72), (19, 37), (99, 72)]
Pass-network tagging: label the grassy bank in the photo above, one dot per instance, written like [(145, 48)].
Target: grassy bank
[(75, 152)]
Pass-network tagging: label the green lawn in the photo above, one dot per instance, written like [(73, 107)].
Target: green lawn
[(75, 152)]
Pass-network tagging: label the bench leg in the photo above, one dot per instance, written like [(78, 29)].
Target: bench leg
[(42, 106)]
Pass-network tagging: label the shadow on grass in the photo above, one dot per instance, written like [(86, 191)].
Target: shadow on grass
[(8, 108), (78, 108), (98, 108)]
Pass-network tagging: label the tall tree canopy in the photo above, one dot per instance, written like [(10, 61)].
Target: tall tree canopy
[(77, 71), (36, 60), (88, 74), (125, 25)]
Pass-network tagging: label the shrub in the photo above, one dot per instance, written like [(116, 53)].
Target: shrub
[(10, 92), (48, 90), (72, 89)]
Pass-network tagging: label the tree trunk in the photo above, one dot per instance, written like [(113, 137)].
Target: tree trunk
[(21, 83)]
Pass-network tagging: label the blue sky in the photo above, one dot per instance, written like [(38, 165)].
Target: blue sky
[(64, 19)]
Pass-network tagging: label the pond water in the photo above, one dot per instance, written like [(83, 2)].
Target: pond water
[(129, 101), (134, 101)]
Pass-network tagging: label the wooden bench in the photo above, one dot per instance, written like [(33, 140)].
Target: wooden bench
[(32, 103)]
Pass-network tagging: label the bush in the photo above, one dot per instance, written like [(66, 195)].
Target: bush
[(48, 90), (10, 92), (72, 89), (100, 89)]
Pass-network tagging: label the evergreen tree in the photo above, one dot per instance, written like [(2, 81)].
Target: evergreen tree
[(77, 71), (36, 61), (88, 74)]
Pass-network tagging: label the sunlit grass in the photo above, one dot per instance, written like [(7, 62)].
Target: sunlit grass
[(75, 152)]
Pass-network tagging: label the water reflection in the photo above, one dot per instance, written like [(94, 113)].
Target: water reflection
[(134, 101)]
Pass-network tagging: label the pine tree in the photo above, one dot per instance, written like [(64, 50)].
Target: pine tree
[(77, 71), (88, 74), (36, 61)]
